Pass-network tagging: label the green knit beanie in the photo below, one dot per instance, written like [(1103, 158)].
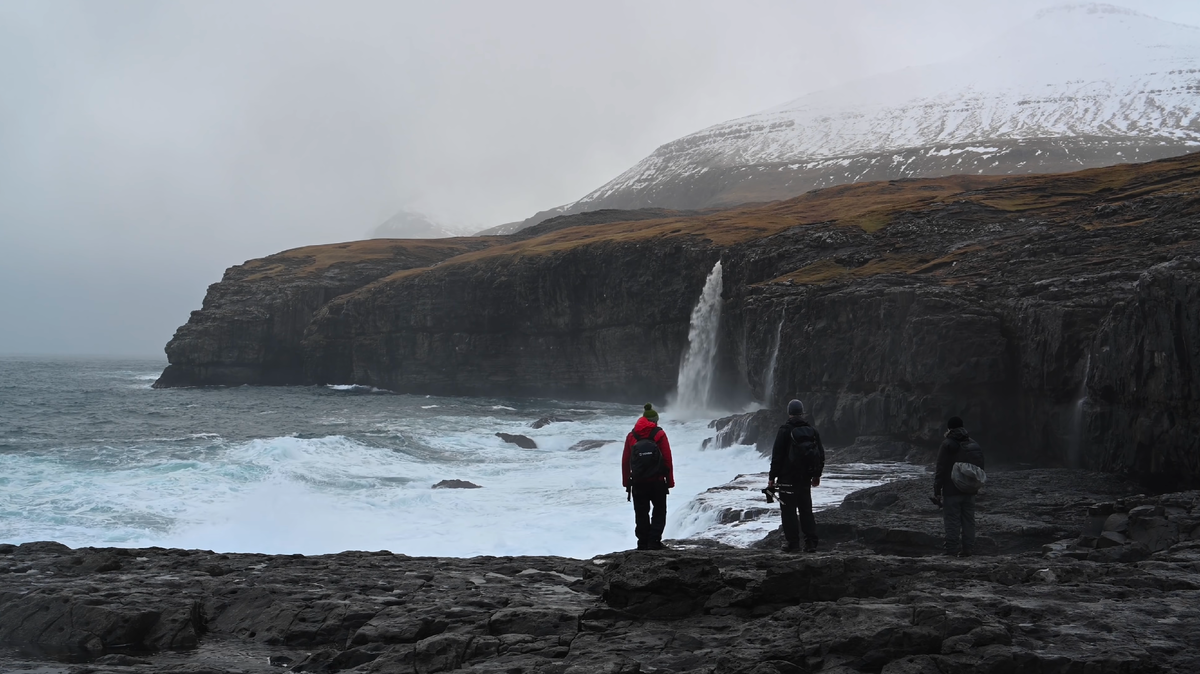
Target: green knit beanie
[(650, 413)]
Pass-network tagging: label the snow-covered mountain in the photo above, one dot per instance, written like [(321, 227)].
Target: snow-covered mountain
[(1074, 87)]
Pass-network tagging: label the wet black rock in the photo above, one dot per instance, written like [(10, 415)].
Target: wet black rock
[(872, 449), (756, 428), (586, 445), (522, 441), (455, 484), (546, 421)]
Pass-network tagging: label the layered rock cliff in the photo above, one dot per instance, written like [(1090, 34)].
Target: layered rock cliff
[(1054, 313), (249, 329)]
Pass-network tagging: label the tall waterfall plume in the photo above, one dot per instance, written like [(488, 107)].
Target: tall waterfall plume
[(769, 375), (693, 389)]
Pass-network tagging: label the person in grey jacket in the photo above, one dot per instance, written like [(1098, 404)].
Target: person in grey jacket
[(958, 508)]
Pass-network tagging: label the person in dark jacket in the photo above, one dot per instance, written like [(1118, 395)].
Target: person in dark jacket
[(793, 481), (958, 508), (652, 490)]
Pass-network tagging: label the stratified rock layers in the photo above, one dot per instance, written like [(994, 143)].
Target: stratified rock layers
[(249, 329), (1055, 313)]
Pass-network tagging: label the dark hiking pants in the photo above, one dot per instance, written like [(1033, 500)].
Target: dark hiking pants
[(649, 529), (958, 514), (795, 509)]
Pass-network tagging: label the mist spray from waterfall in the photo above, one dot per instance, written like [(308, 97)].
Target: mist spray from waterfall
[(693, 390), (769, 375), (1075, 449)]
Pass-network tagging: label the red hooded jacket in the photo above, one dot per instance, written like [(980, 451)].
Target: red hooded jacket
[(640, 431)]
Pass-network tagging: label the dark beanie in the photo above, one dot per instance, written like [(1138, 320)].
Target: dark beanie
[(650, 413), (795, 408), (954, 422)]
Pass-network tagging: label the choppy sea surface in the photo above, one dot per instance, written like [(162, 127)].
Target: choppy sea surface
[(90, 454)]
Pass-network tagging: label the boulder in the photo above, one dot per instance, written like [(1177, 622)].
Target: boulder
[(455, 484), (1118, 522), (1154, 532), (552, 419), (522, 441)]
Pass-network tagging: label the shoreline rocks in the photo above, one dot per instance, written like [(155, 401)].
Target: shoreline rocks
[(522, 441), (455, 484), (698, 608)]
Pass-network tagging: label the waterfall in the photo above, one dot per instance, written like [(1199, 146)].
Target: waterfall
[(1075, 448), (694, 386), (769, 375)]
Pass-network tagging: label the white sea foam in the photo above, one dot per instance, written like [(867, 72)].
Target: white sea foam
[(356, 388), (314, 495), (314, 470)]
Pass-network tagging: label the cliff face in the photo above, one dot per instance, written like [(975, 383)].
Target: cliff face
[(249, 329), (603, 321), (1142, 409), (1054, 313), (995, 307)]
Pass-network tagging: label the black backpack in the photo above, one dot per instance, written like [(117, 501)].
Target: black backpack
[(646, 460), (805, 454), (970, 452)]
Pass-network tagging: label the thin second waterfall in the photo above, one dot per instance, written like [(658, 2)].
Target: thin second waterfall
[(769, 375), (694, 386), (1075, 449)]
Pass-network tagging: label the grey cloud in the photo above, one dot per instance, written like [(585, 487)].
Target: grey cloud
[(146, 146)]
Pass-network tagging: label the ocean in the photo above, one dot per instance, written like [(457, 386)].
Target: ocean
[(91, 455)]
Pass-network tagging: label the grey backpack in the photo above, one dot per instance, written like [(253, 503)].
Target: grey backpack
[(967, 474)]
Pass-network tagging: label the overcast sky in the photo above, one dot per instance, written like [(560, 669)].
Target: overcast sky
[(147, 146)]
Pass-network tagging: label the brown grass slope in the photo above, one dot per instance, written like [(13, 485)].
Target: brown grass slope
[(1052, 198)]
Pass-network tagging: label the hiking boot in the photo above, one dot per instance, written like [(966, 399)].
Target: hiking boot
[(810, 547), (658, 545), (950, 553), (965, 553), (789, 546)]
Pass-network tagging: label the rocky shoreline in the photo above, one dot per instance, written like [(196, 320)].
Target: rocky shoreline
[(1046, 597)]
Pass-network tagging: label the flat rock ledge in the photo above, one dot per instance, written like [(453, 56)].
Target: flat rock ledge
[(694, 608)]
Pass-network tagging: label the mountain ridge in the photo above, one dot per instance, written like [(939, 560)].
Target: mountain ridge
[(1075, 87)]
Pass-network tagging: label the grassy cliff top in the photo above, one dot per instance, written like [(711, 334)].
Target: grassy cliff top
[(870, 207)]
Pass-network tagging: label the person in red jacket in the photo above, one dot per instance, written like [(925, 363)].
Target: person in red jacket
[(647, 474)]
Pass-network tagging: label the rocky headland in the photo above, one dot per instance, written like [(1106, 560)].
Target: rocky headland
[(1045, 597), (1057, 313)]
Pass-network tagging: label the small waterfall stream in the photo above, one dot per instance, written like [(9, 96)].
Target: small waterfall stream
[(769, 375), (694, 386), (1075, 448)]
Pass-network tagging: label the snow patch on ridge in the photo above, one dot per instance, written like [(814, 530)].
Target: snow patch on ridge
[(1075, 71)]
